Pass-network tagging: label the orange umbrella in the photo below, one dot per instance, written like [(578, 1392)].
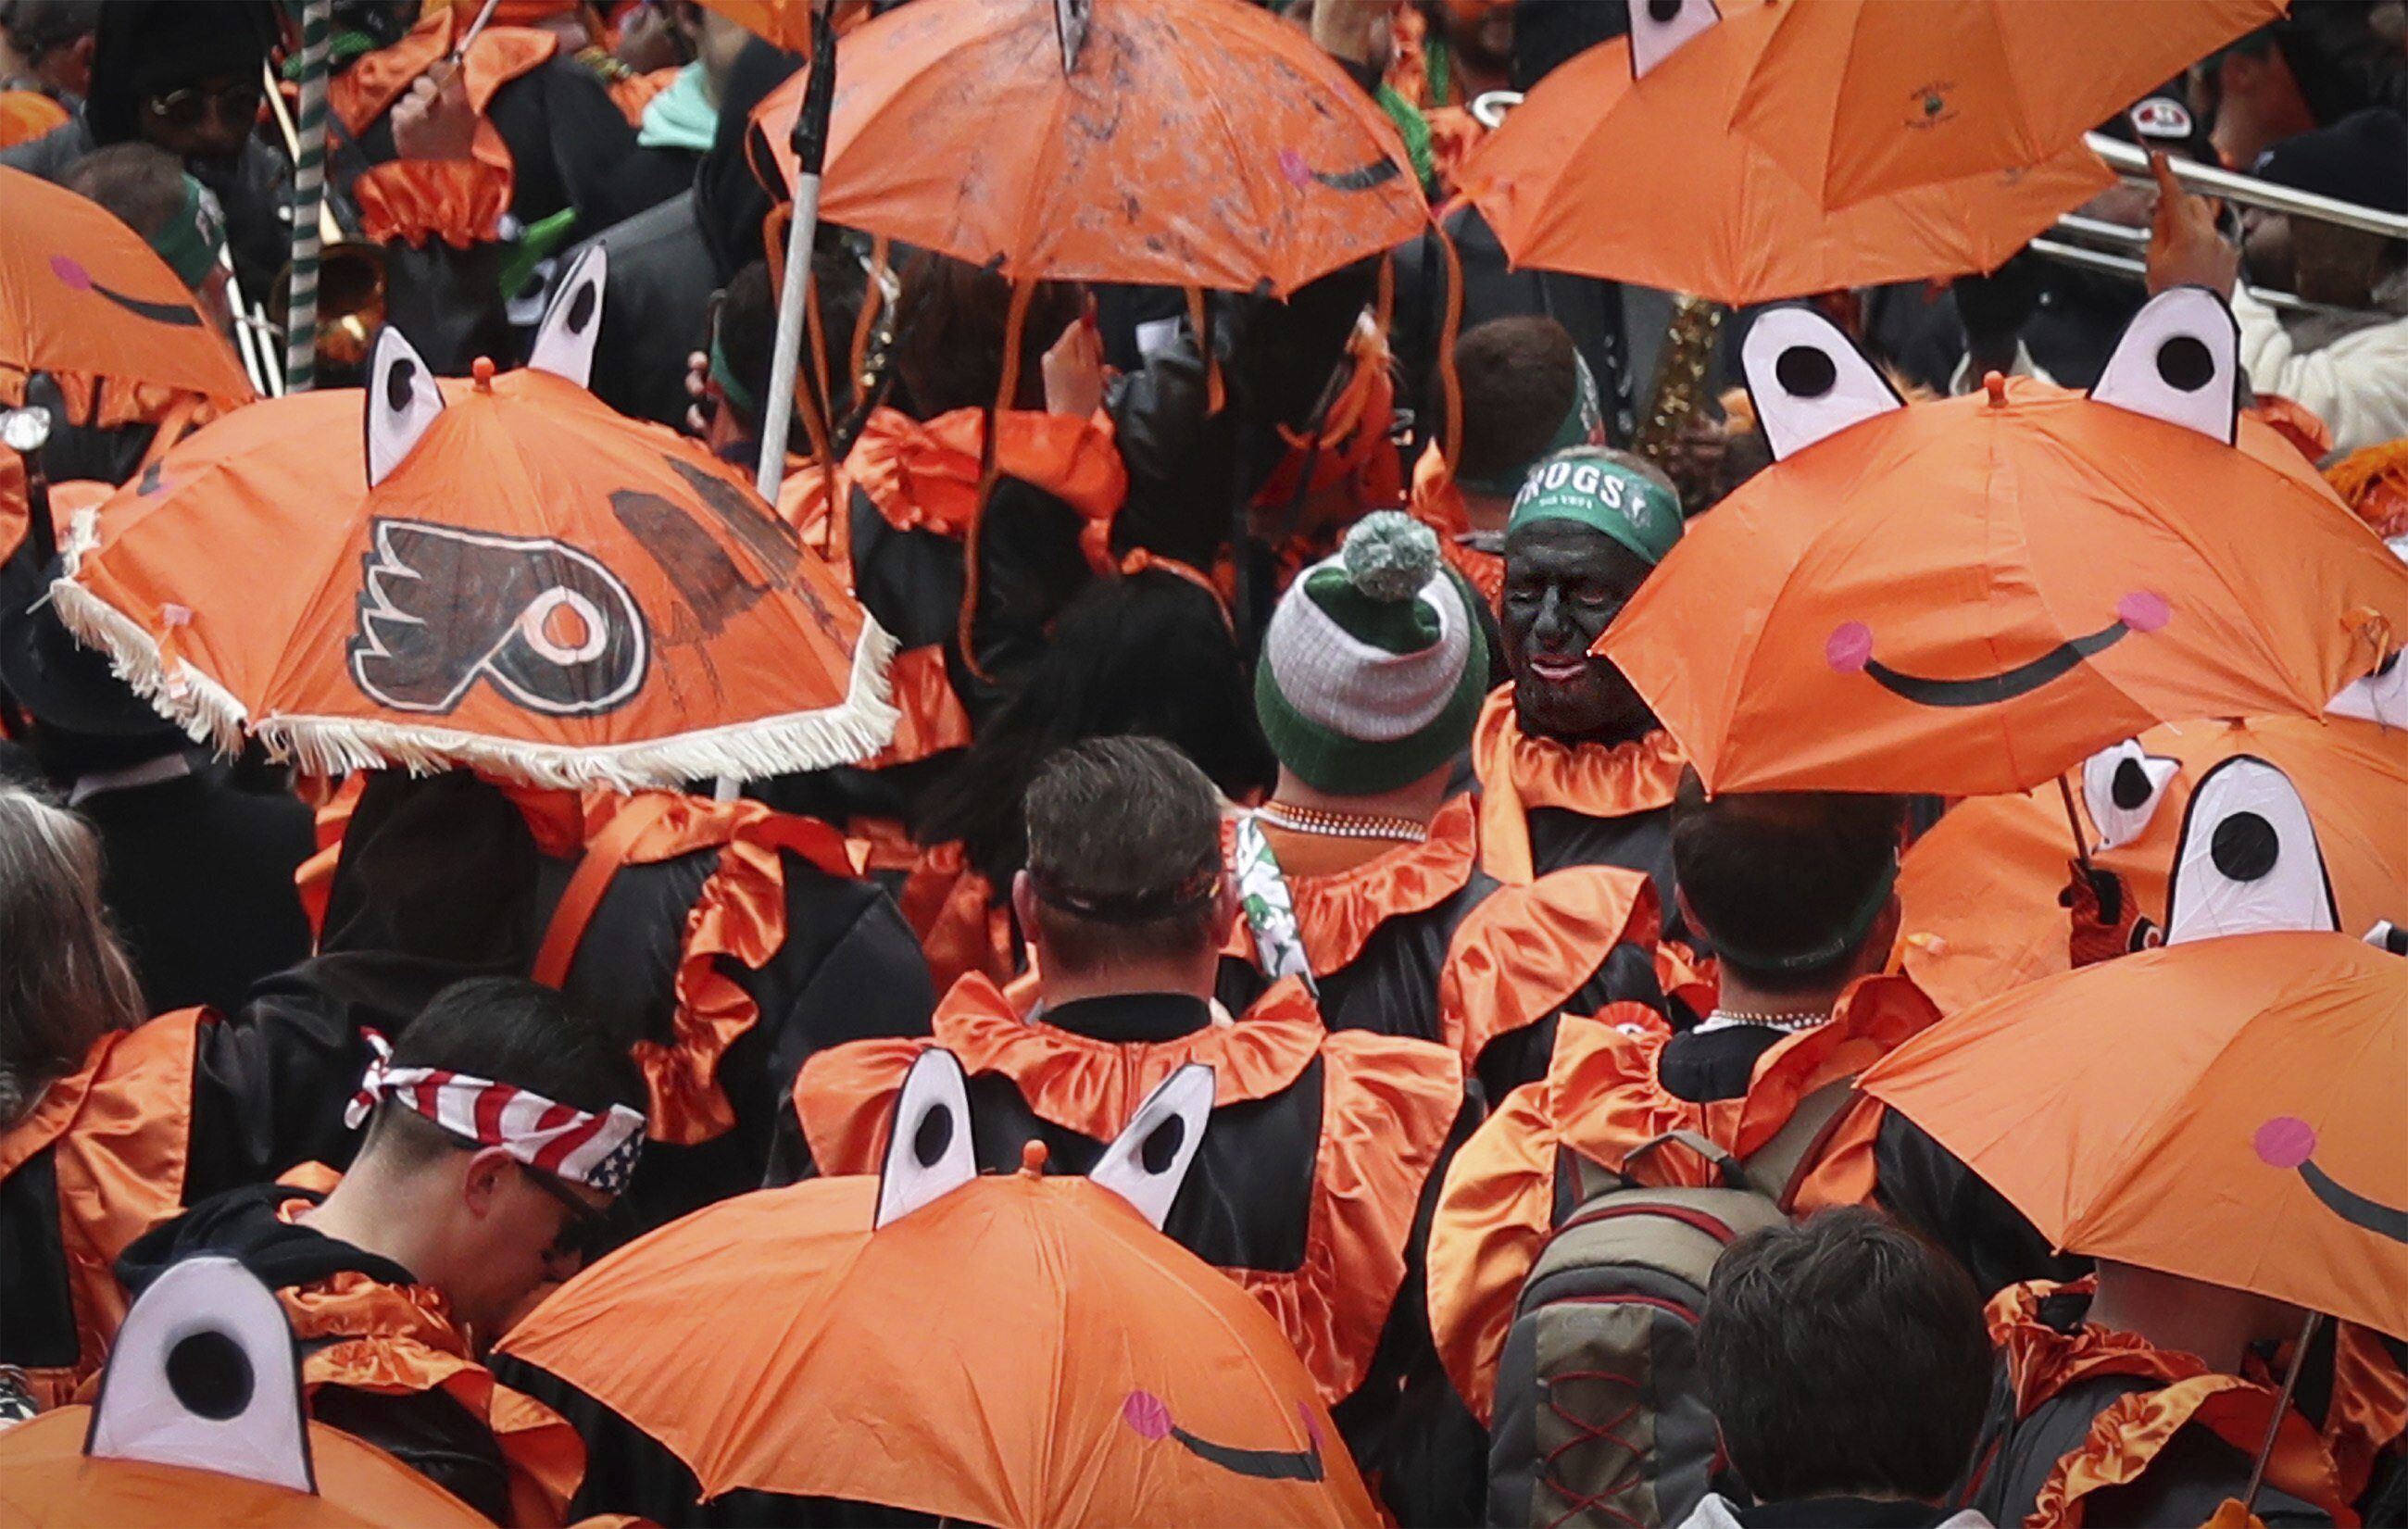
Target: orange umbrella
[(1011, 1350), (1861, 97), (1180, 142), (1971, 595), (84, 299), (2227, 1110), (1979, 892), (521, 580), (1599, 139)]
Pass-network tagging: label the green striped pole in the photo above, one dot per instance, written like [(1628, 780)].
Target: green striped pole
[(308, 198)]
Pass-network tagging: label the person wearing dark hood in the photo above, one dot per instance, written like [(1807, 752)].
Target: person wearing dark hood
[(1574, 769), (185, 75), (500, 1131), (197, 874)]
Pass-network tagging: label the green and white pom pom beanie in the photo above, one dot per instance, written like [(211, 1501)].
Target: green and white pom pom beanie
[(1374, 667)]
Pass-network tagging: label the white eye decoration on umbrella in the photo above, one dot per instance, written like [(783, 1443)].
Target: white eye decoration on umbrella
[(2249, 863), (2123, 787)]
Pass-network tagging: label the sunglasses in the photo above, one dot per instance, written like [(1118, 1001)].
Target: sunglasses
[(193, 104), (588, 1233)]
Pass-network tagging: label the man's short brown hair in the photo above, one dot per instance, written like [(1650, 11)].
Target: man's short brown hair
[(1124, 852), (1518, 377)]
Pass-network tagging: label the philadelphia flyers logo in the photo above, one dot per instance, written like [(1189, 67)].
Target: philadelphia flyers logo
[(441, 607)]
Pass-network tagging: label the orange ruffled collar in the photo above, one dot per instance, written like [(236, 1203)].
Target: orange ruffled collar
[(1337, 914), (1598, 1060), (925, 476), (1094, 1087), (741, 913), (1519, 775)]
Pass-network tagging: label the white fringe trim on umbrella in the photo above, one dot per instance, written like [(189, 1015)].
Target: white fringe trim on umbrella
[(847, 733)]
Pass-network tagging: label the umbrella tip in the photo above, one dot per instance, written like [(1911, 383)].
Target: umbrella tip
[(1032, 1159), (1996, 385), (483, 370)]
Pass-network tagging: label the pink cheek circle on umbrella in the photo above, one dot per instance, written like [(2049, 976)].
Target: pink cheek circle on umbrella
[(2285, 1142), (1292, 165), (71, 273), (1849, 648), (2143, 611), (1147, 1415)]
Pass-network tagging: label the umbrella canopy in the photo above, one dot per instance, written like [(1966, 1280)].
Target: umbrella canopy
[(1179, 142), (510, 577), (1862, 97), (2227, 1110), (1971, 595), (786, 24), (1010, 1350), (84, 299), (1643, 123), (1979, 892)]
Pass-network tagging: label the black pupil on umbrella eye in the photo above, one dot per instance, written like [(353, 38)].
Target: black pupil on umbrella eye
[(935, 1134), (211, 1375), (396, 385), (581, 309), (1805, 372), (2184, 363), (2132, 787), (1162, 1145), (1662, 13), (2246, 847)]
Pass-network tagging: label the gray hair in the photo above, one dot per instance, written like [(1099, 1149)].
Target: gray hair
[(64, 982)]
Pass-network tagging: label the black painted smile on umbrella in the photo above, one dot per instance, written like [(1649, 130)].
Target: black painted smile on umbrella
[(71, 273), (1149, 1416), (1849, 651), (2288, 1142)]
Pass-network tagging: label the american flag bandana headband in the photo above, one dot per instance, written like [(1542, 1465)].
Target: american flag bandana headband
[(596, 1150)]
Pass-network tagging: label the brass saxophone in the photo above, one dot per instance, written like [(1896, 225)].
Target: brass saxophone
[(1680, 386)]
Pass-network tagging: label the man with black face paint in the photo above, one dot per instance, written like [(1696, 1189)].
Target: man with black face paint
[(1574, 769)]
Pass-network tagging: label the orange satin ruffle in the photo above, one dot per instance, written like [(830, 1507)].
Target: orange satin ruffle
[(2295, 422), (739, 914), (106, 403), (2127, 1435), (1526, 948), (631, 93), (1601, 1098), (1519, 775), (368, 89), (2369, 1413), (1388, 1106), (954, 911), (844, 1095), (925, 476), (117, 1130), (1438, 503), (1338, 913), (459, 200), (314, 878), (1350, 455), (933, 719), (399, 1340)]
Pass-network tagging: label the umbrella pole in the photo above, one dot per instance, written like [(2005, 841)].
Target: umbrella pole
[(308, 198), (2073, 821), (810, 143), (2281, 1406)]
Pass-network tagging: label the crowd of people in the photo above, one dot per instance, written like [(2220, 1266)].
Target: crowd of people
[(1255, 826)]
